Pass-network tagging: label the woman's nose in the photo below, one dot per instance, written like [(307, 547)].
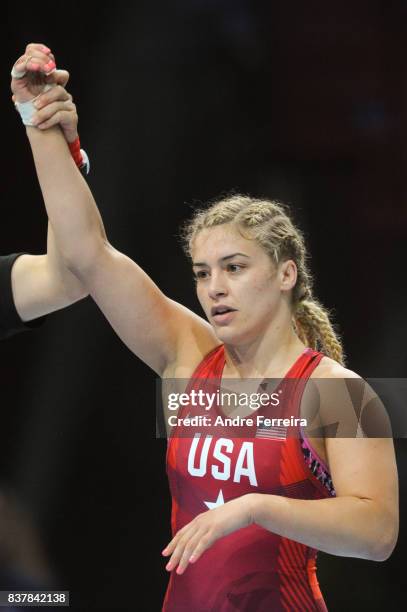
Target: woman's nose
[(217, 286)]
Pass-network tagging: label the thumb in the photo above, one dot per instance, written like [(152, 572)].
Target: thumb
[(58, 77)]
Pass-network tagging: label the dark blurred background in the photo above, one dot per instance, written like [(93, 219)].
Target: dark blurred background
[(178, 103)]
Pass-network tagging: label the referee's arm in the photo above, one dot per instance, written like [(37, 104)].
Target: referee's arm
[(40, 285), (32, 286)]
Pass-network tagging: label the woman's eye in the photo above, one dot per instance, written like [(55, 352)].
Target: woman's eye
[(200, 275), (234, 267)]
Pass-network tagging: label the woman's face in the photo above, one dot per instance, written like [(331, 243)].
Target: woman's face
[(238, 286)]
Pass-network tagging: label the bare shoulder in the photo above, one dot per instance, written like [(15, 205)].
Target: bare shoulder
[(329, 368), (331, 395), (342, 377), (336, 387), (345, 398)]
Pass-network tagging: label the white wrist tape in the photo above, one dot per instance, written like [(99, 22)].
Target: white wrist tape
[(19, 74), (27, 109), (85, 162)]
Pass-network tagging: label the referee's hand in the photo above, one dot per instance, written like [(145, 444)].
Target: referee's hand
[(31, 72)]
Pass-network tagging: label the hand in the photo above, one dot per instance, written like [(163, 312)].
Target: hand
[(57, 107), (198, 535), (38, 63)]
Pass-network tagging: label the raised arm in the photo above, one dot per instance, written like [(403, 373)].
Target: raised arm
[(161, 332), (42, 283)]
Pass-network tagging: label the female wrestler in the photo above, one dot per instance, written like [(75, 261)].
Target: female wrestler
[(251, 505), (34, 285)]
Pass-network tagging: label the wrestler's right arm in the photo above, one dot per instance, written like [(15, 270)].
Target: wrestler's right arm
[(167, 336)]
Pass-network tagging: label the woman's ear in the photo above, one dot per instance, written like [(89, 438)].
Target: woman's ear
[(288, 275)]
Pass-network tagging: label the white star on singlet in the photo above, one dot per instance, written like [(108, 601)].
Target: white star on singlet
[(219, 502)]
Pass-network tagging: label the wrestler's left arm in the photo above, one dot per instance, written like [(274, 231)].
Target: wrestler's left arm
[(361, 521)]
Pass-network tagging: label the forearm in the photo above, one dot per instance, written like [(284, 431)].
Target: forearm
[(345, 526), (71, 208)]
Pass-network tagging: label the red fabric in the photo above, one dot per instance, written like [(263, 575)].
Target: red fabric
[(75, 149), (252, 569)]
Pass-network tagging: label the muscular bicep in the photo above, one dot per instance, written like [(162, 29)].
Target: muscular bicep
[(360, 450), (154, 327), (349, 421), (364, 467)]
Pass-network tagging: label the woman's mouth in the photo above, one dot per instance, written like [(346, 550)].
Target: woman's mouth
[(222, 315)]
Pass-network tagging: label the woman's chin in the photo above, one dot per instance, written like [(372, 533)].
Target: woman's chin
[(227, 335)]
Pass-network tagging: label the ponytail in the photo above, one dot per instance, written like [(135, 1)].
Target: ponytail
[(314, 328)]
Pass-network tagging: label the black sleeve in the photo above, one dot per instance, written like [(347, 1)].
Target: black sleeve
[(10, 322)]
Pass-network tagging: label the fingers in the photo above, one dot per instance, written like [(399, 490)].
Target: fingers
[(19, 67), (183, 551), (32, 47), (193, 550), (37, 58), (58, 77), (33, 63), (200, 548), (187, 546), (61, 117), (63, 113), (168, 550), (40, 63), (57, 93)]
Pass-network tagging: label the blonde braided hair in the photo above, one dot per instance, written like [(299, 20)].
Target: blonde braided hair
[(269, 223)]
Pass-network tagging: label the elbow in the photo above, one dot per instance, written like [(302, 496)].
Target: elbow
[(82, 263), (73, 265), (384, 551), (382, 554), (77, 294), (380, 525), (384, 544)]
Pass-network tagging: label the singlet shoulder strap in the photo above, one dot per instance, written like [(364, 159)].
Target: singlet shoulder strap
[(305, 364), (212, 364)]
